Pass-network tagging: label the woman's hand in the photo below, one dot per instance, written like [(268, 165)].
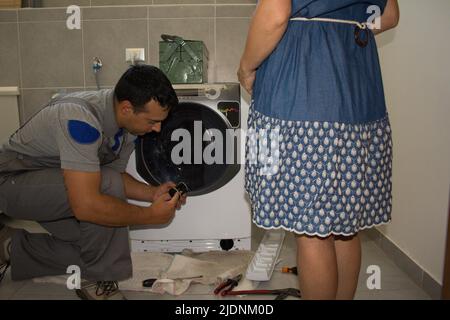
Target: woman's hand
[(246, 79)]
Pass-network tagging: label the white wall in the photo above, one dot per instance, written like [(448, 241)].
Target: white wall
[(415, 60)]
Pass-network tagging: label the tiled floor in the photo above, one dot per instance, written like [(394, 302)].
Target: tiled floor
[(395, 284)]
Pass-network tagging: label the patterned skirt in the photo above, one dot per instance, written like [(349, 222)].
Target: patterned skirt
[(318, 178)]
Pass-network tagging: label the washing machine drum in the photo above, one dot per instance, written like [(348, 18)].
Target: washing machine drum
[(154, 151)]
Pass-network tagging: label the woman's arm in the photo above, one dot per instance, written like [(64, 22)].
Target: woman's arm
[(266, 30), (390, 17)]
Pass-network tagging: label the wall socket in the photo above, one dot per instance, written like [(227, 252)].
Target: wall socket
[(134, 55)]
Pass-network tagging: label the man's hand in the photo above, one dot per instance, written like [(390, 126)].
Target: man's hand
[(163, 209), (181, 201), (164, 188), (90, 205)]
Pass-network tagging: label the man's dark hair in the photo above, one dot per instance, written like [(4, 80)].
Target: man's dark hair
[(142, 83)]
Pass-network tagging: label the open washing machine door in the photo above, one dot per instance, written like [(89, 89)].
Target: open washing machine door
[(193, 147)]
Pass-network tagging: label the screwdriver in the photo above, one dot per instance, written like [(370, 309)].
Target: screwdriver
[(289, 270)]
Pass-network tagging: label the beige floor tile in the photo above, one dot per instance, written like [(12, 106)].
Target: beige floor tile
[(395, 284)]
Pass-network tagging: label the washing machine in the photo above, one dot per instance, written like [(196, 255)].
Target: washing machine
[(201, 144)]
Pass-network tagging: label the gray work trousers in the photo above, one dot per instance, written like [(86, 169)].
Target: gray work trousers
[(102, 253)]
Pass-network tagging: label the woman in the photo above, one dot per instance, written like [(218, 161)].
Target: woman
[(313, 71)]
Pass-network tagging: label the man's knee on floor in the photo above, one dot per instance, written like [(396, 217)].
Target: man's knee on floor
[(112, 183), (105, 251), (96, 240)]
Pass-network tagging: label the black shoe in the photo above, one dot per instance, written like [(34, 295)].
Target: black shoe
[(5, 248), (100, 290)]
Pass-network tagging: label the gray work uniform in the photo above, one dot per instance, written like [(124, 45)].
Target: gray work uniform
[(75, 132)]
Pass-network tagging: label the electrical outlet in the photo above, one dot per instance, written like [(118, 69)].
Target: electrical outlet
[(134, 55)]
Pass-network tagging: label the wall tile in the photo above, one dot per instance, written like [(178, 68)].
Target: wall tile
[(189, 29), (21, 108), (183, 1), (158, 12), (231, 35), (373, 234), (64, 3), (235, 11), (9, 55), (410, 267), (34, 100), (8, 15), (51, 55), (108, 40), (236, 1), (38, 14), (101, 87), (110, 13), (403, 261), (120, 2), (432, 287)]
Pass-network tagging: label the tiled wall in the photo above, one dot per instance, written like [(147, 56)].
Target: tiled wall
[(42, 56)]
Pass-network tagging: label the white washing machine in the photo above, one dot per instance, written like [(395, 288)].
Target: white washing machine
[(217, 213)]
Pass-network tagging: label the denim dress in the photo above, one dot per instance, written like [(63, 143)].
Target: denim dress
[(319, 161)]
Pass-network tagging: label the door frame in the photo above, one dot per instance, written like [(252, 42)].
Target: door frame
[(446, 284)]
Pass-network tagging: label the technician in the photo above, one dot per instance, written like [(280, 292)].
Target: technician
[(65, 168)]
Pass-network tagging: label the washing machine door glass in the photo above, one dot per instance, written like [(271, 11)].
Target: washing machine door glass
[(196, 131)]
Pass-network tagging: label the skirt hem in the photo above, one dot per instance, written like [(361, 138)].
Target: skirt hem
[(317, 234)]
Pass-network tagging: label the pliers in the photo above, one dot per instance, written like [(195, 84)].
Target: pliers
[(225, 287), (280, 293)]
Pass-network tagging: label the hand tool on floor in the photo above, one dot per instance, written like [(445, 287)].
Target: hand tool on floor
[(148, 283), (292, 270), (225, 287), (280, 293)]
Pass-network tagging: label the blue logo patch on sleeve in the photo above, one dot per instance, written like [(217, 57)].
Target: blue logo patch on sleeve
[(82, 132)]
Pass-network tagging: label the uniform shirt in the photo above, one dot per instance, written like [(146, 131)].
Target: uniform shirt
[(80, 135)]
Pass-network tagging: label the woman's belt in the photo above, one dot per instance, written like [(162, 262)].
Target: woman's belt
[(364, 27)]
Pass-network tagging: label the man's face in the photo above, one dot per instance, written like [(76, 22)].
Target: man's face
[(148, 120)]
